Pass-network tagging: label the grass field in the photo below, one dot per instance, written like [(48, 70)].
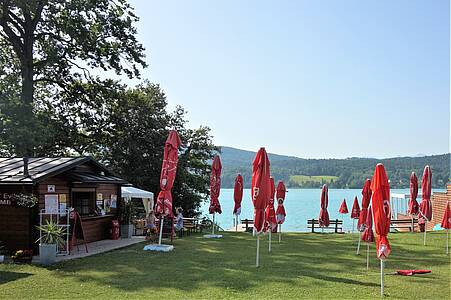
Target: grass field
[(304, 265), (302, 179)]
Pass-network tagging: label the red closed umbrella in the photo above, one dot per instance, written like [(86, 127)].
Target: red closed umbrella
[(446, 220), (261, 192), (382, 215), (215, 188), (343, 207), (413, 204), (323, 219), (425, 204), (237, 197), (270, 213), (366, 197), (280, 212), (368, 235), (446, 223), (163, 206), (355, 211)]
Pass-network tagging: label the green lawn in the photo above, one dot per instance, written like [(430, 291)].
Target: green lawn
[(304, 265), (301, 179)]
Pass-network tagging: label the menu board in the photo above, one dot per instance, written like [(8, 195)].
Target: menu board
[(51, 204)]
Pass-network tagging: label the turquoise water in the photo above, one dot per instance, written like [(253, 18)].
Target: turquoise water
[(300, 205)]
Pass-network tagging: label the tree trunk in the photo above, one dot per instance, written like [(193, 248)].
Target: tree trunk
[(26, 110)]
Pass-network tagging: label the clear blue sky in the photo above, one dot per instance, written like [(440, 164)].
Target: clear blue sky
[(310, 78)]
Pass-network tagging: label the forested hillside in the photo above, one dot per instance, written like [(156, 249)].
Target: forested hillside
[(338, 173)]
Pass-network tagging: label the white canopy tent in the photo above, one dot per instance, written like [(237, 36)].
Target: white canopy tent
[(129, 192)]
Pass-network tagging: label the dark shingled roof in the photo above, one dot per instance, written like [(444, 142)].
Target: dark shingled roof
[(40, 168)]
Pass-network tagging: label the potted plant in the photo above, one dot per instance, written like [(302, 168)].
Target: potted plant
[(127, 211), (22, 256), (26, 200), (51, 237)]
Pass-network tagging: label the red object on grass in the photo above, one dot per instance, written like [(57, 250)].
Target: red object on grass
[(343, 207), (426, 187), (412, 272), (367, 234), (261, 187), (323, 219), (215, 186), (280, 196), (238, 194), (270, 213), (355, 212), (446, 220), (366, 198), (163, 206), (381, 210), (413, 204)]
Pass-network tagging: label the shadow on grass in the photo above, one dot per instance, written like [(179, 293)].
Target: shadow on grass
[(302, 260), (6, 276)]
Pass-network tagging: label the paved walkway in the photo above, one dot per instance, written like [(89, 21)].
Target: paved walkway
[(96, 248)]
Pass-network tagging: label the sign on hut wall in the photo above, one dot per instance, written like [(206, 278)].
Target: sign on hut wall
[(6, 199)]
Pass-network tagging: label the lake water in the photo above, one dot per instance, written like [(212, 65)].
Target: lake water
[(300, 205)]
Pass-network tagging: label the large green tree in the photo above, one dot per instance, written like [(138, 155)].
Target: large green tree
[(56, 43)]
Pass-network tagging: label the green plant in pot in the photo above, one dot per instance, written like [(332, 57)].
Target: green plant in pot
[(52, 236), (127, 212)]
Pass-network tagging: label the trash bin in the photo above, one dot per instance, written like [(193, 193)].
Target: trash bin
[(115, 230)]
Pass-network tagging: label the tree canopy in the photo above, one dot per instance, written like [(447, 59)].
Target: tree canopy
[(52, 105)]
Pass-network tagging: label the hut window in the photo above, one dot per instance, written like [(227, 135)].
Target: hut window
[(83, 202)]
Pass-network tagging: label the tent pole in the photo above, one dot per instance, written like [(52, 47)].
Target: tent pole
[(382, 278), (358, 245), (161, 230), (270, 239), (213, 225), (257, 263), (367, 256)]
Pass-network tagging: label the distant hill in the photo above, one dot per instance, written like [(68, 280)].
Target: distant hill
[(337, 173)]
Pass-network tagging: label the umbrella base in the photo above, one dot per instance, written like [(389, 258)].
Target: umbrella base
[(159, 248), (212, 236)]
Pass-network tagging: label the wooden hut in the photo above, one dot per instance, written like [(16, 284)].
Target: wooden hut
[(57, 183)]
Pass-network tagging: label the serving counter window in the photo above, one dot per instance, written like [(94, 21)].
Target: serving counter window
[(84, 203)]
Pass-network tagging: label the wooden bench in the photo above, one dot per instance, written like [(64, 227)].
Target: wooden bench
[(249, 225), (336, 225), (405, 223)]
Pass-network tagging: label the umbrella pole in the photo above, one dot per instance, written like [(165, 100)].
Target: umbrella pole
[(382, 278), (270, 239), (236, 223), (367, 256), (280, 234), (257, 262), (213, 225), (358, 245), (161, 230), (425, 226), (352, 225), (447, 242)]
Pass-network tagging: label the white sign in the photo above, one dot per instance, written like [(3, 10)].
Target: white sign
[(51, 204), (51, 188)]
